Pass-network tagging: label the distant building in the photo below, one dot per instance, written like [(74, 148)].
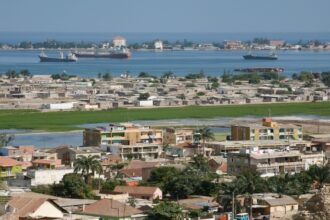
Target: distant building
[(119, 41), (59, 106), (233, 44), (158, 45), (277, 43), (269, 130)]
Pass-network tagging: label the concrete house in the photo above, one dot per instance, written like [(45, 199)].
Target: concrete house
[(33, 208), (141, 192)]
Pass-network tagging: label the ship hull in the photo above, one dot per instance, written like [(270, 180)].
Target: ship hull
[(58, 60), (251, 57), (110, 55)]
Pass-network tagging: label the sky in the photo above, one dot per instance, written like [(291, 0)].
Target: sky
[(164, 16)]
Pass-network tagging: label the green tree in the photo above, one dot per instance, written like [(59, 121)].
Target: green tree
[(319, 174), (5, 139), (205, 134), (25, 73), (107, 77), (325, 77), (73, 186), (166, 211), (143, 96), (88, 166)]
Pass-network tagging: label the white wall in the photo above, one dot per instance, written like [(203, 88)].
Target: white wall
[(48, 210), (43, 177)]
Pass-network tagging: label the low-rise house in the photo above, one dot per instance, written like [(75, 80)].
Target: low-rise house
[(141, 192), (273, 206), (9, 167), (33, 208), (218, 165), (138, 170), (200, 203), (39, 177), (112, 209)]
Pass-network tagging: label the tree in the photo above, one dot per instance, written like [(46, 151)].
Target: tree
[(107, 77), (73, 186), (167, 75), (5, 139), (319, 174), (325, 77), (25, 72), (143, 96), (166, 211), (161, 176), (205, 134), (87, 166)]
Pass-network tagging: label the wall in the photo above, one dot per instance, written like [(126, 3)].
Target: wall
[(49, 210), (43, 177)]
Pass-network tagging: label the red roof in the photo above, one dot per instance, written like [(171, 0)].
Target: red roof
[(8, 162), (136, 190), (110, 207)]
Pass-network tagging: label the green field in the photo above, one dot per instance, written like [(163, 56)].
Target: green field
[(61, 121)]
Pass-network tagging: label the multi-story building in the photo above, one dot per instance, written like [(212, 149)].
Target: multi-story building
[(178, 136), (9, 167), (127, 140), (272, 162), (124, 134), (268, 130)]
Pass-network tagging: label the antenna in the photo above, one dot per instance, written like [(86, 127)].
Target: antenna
[(269, 113)]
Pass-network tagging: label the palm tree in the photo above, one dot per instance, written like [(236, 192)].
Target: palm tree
[(319, 174), (205, 135), (87, 166)]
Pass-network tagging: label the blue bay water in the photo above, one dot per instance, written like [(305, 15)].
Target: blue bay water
[(181, 62)]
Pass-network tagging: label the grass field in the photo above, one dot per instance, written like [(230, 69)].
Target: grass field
[(62, 121)]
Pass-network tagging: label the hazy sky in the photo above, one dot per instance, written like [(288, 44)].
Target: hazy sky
[(165, 15)]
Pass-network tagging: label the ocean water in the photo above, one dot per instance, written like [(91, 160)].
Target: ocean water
[(180, 62)]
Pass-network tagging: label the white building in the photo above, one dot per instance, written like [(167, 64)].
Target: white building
[(158, 45), (59, 106), (119, 41), (39, 177)]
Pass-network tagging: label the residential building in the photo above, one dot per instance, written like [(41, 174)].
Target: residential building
[(178, 136), (39, 177), (224, 147), (112, 209), (119, 41), (139, 170), (199, 203), (273, 206), (141, 192), (33, 208), (271, 162), (9, 167), (123, 133), (268, 130), (68, 155)]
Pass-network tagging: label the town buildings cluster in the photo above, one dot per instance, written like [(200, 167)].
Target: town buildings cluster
[(50, 92), (131, 152)]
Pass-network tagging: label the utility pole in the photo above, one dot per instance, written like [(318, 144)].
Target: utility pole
[(233, 205)]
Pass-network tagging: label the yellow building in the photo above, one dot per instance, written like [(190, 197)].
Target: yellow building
[(268, 130), (124, 134)]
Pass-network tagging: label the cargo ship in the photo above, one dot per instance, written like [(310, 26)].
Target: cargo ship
[(115, 54), (70, 57), (254, 57)]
